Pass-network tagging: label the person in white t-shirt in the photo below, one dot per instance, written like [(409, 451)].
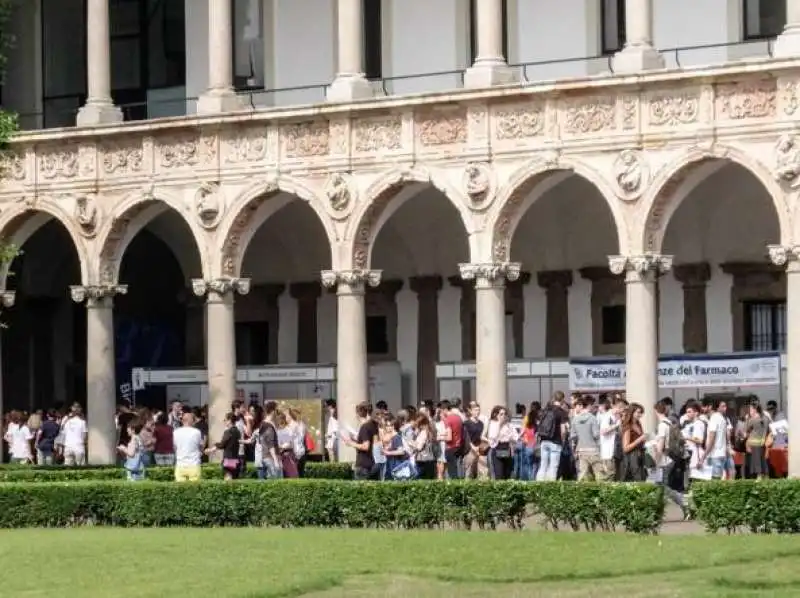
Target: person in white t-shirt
[(716, 448), (188, 443), (663, 461), (18, 436), (608, 421), (694, 433), (74, 430)]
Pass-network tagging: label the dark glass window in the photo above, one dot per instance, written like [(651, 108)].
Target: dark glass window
[(252, 343), (765, 326), (612, 25), (377, 335), (613, 321), (373, 39), (763, 19), (473, 30)]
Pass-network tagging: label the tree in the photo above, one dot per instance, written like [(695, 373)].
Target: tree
[(8, 120)]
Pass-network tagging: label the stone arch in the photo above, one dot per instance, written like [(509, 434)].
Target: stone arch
[(20, 222), (529, 183), (251, 208), (379, 204), (127, 219), (674, 182)]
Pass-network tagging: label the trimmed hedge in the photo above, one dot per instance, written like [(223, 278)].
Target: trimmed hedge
[(55, 473), (757, 506), (330, 503)]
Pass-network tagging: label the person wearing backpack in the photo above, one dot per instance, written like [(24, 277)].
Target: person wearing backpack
[(669, 446), (551, 439)]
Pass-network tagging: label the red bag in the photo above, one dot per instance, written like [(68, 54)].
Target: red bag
[(529, 437), (310, 444)]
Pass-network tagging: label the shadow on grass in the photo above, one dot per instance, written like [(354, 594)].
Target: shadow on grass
[(756, 585)]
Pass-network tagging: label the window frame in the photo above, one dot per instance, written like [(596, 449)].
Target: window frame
[(606, 50), (747, 36), (372, 38), (777, 336), (473, 29)]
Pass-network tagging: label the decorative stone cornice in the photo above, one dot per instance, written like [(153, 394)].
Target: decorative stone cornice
[(692, 275), (92, 293), (355, 279), (491, 272), (220, 286), (785, 255), (640, 267), (548, 279)]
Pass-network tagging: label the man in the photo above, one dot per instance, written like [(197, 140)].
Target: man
[(188, 444), (716, 447), (362, 442), (271, 466), (74, 430), (453, 441), (552, 428), (585, 434)]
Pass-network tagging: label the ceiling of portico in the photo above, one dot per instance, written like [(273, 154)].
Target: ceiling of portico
[(424, 236), (729, 217), (172, 229), (567, 228), (47, 264)]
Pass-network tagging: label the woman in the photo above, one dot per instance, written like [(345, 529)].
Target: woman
[(299, 431), (423, 447), (163, 451), (287, 443), (502, 439), (757, 441), (633, 442), (395, 449), (133, 452), (18, 436), (529, 462), (147, 435), (229, 445)]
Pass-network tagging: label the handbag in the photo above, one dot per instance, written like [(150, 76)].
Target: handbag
[(483, 448), (231, 464), (503, 450), (405, 471)]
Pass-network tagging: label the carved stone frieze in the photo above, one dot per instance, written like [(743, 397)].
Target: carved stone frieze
[(186, 150), (357, 279), (490, 274), (631, 174), (93, 294), (790, 96), (86, 214), (59, 162), (243, 145), (442, 127), (787, 256), (519, 121), (787, 160), (12, 165), (220, 287), (747, 99), (209, 203), (122, 157), (673, 108), (585, 116), (645, 267), (383, 133), (305, 139)]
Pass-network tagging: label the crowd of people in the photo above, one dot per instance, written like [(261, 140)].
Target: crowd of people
[(581, 437)]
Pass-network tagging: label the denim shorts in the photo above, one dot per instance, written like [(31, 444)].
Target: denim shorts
[(717, 466)]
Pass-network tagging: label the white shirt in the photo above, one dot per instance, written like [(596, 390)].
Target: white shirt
[(331, 433), (74, 429), (697, 469), (188, 443), (662, 432), (718, 424), (441, 430), (780, 432), (605, 421), (18, 438), (497, 433)]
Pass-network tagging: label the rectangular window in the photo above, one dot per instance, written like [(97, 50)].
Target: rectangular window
[(613, 322), (612, 23), (63, 60), (248, 44), (765, 326), (252, 343), (473, 30), (763, 19), (373, 39), (377, 335)]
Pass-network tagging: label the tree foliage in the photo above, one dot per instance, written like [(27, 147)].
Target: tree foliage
[(8, 120)]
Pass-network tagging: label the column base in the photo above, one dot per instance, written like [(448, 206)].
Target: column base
[(350, 88), (788, 44), (635, 59), (98, 113), (219, 101), (489, 74)]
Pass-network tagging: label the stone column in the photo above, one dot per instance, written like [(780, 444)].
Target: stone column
[(350, 83), (220, 346), (271, 294), (694, 278), (788, 43), (641, 328), (101, 388), (789, 257), (467, 312), (352, 373), (556, 285), (427, 289), (306, 294), (490, 311), (6, 300), (638, 54), (220, 95), (490, 66), (99, 107)]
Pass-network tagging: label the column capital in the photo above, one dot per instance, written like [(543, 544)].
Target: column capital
[(787, 256), (305, 290), (640, 268), (93, 294), (490, 273), (7, 298), (554, 278), (692, 275), (425, 285), (352, 280), (220, 286)]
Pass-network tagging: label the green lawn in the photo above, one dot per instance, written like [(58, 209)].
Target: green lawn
[(138, 563)]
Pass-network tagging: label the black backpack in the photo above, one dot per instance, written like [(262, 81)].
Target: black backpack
[(547, 427), (675, 444)]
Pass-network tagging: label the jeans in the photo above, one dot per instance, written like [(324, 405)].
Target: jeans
[(526, 465), (269, 471), (454, 469), (717, 467), (44, 457), (551, 458)]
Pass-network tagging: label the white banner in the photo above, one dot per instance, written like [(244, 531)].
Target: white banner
[(682, 371)]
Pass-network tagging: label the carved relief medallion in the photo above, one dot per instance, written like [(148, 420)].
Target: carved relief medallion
[(339, 193), (209, 203), (479, 185), (631, 174), (86, 214), (787, 160)]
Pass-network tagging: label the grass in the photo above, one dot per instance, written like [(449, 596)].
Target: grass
[(314, 563)]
